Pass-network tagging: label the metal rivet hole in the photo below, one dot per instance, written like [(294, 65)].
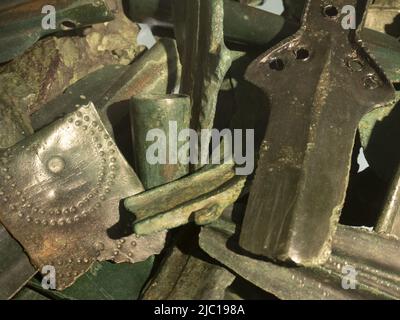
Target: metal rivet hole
[(276, 64)]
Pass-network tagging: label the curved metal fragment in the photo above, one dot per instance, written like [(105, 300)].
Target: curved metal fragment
[(61, 190), (156, 71), (302, 173), (373, 257), (379, 126), (21, 21)]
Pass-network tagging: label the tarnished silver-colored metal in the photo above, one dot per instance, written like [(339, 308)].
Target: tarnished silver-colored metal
[(303, 170), (60, 191)]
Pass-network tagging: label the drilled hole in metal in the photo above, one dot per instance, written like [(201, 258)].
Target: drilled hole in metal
[(355, 65), (371, 82), (276, 64), (68, 25), (330, 11), (302, 54)]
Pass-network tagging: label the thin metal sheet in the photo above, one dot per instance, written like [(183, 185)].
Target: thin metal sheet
[(61, 190)]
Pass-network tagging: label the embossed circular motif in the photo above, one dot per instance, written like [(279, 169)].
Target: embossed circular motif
[(105, 157)]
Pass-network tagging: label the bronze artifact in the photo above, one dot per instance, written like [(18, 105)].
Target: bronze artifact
[(157, 112), (62, 201), (21, 21), (362, 249), (103, 116), (313, 156)]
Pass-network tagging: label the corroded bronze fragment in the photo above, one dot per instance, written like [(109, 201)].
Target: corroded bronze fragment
[(168, 115), (201, 40), (301, 179), (187, 273), (383, 16), (61, 190), (243, 24), (389, 221), (15, 267), (379, 126), (201, 196), (373, 259), (21, 21), (157, 71)]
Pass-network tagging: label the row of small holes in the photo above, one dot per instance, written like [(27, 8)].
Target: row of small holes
[(300, 54), (303, 54)]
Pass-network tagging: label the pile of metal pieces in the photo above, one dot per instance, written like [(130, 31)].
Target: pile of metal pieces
[(84, 214)]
